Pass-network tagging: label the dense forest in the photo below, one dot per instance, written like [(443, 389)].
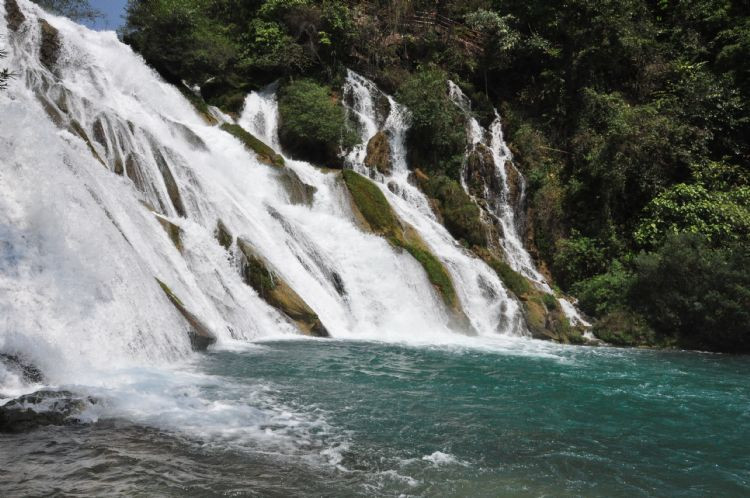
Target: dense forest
[(628, 118)]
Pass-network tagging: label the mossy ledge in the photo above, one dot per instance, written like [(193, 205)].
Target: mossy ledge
[(201, 337), (544, 316), (265, 153), (372, 209), (259, 275)]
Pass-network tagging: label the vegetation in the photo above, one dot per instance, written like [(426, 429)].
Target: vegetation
[(629, 118), (460, 214), (312, 123), (5, 73)]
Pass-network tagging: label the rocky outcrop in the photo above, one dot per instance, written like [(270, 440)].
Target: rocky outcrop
[(49, 51), (169, 181), (200, 335), (13, 15), (23, 368), (259, 275), (42, 408), (379, 154)]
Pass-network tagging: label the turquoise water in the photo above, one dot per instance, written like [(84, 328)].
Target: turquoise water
[(385, 420)]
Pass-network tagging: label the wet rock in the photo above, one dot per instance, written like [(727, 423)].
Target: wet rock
[(42, 408), (174, 232), (515, 184), (379, 153), (299, 192), (169, 181), (481, 174), (77, 129), (259, 275), (13, 15), (27, 371), (201, 336), (223, 235), (134, 170), (49, 51)]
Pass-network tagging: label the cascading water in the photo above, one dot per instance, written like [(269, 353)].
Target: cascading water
[(502, 191), (111, 180)]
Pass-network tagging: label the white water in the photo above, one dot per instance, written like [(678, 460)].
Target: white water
[(501, 206), (81, 246)]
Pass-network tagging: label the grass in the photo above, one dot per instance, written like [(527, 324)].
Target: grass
[(266, 153)]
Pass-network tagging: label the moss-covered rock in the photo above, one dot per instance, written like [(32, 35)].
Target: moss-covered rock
[(49, 51), (379, 153), (223, 235), (264, 152), (312, 124), (13, 15), (200, 335), (481, 173), (173, 231), (298, 191), (259, 275), (372, 209), (200, 105), (460, 215)]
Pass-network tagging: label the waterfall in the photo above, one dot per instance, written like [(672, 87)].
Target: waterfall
[(110, 180), (502, 197)]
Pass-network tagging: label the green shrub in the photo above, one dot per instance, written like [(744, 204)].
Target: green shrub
[(577, 258), (625, 328), (312, 123), (436, 139), (695, 292), (604, 293)]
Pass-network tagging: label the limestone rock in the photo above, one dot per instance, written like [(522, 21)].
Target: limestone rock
[(13, 15), (42, 408), (259, 275), (379, 153), (201, 336), (223, 235), (299, 192), (49, 51)]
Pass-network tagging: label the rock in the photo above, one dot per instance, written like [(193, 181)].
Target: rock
[(201, 336), (259, 275), (26, 370), (515, 184), (49, 51), (174, 232), (223, 235), (42, 408), (379, 153), (299, 192), (13, 15), (264, 152), (77, 129), (481, 173), (172, 189)]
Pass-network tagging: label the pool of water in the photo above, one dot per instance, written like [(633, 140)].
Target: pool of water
[(342, 418)]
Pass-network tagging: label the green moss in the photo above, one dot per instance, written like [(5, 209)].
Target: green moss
[(223, 235), (436, 272), (379, 215), (513, 281), (171, 295), (373, 205), (550, 301), (253, 144), (461, 216), (200, 105)]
